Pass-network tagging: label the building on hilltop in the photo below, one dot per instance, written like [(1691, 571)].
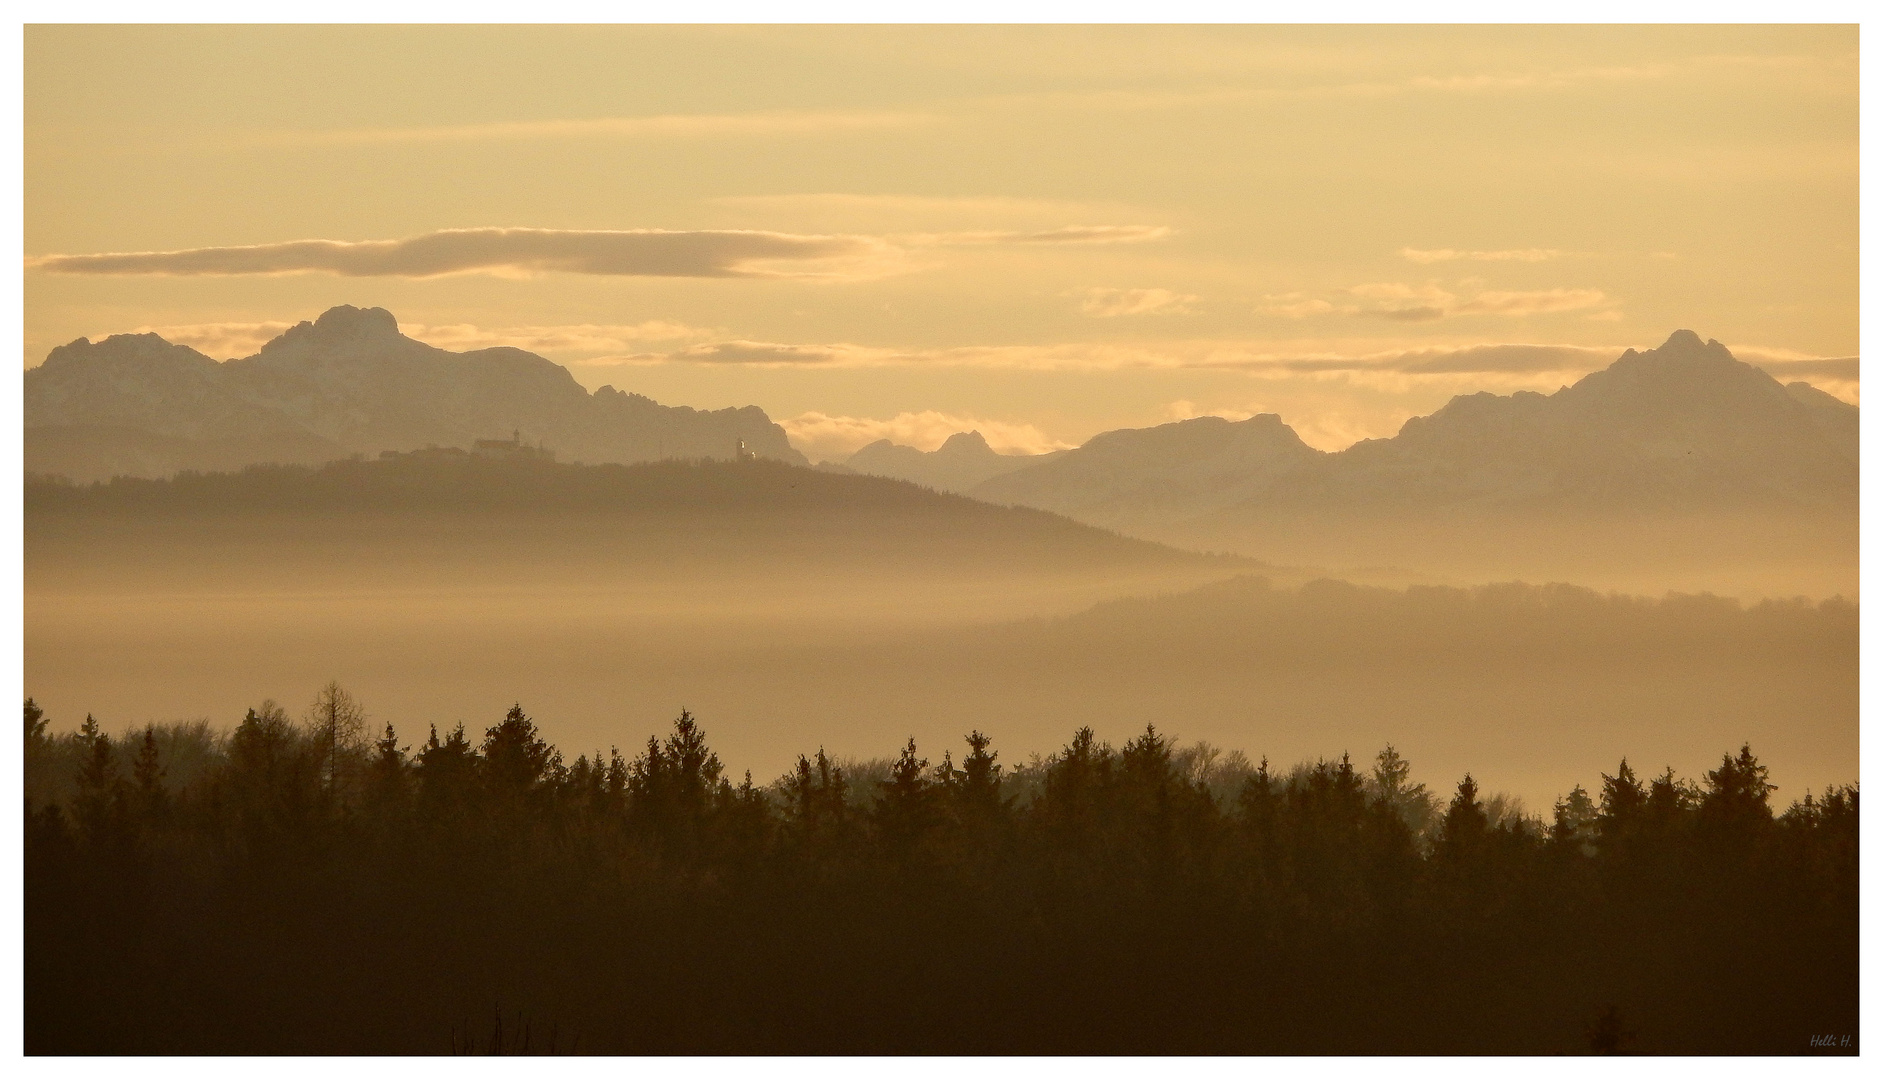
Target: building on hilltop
[(512, 449)]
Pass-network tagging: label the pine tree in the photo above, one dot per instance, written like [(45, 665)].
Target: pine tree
[(1575, 821), (99, 786), (1622, 802), (386, 778), (1465, 822), (36, 722), (904, 807), (1736, 801), (1392, 781), (147, 778), (514, 760)]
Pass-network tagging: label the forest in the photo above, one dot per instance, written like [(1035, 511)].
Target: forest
[(302, 885)]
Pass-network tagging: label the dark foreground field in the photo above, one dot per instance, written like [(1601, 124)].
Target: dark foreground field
[(304, 892)]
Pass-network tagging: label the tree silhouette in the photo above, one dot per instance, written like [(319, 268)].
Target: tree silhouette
[(1575, 821), (904, 809), (147, 774), (1736, 798), (514, 760), (336, 721), (1106, 901), (1465, 822)]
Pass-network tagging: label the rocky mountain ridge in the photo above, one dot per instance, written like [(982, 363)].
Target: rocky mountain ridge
[(348, 382)]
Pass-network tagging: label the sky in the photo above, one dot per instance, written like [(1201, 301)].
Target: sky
[(1039, 233)]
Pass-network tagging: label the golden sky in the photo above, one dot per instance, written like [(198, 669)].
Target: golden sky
[(1039, 232)]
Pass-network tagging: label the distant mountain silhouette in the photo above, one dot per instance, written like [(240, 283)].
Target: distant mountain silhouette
[(1682, 425), (957, 465), (347, 382), (1174, 470), (1682, 457)]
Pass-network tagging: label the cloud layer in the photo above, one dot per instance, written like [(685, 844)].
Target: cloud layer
[(1255, 358), (1397, 301), (1435, 255), (632, 252), (1069, 234), (668, 126), (1110, 303), (699, 253)]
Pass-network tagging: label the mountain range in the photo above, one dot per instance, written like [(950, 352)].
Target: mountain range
[(1683, 426), (1682, 456), (1679, 466), (959, 464), (349, 382)]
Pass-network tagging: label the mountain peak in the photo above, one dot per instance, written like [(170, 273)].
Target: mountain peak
[(340, 326), (965, 442), (346, 321), (1682, 340)]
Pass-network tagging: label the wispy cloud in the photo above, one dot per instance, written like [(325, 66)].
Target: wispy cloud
[(1533, 302), (1294, 306), (1104, 303), (1400, 302), (703, 253), (223, 340), (631, 252), (1437, 255), (667, 126), (1069, 234), (1256, 358), (573, 338), (980, 205), (821, 436)]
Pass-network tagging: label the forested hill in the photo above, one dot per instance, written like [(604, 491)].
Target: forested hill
[(669, 504)]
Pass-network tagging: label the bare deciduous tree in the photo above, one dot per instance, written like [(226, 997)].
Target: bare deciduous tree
[(335, 721)]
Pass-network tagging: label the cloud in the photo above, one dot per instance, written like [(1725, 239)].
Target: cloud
[(579, 337), (1184, 409), (1491, 359), (1071, 356), (772, 354), (671, 126), (1109, 303), (224, 340), (1400, 302), (1449, 255), (1294, 306), (1264, 359), (631, 252), (1069, 234), (917, 204), (707, 253), (1410, 314), (1842, 368), (1835, 375), (1428, 303), (1537, 302), (832, 438)]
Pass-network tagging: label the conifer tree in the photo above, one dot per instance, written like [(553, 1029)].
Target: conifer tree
[(1736, 800), (1465, 821), (147, 778)]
